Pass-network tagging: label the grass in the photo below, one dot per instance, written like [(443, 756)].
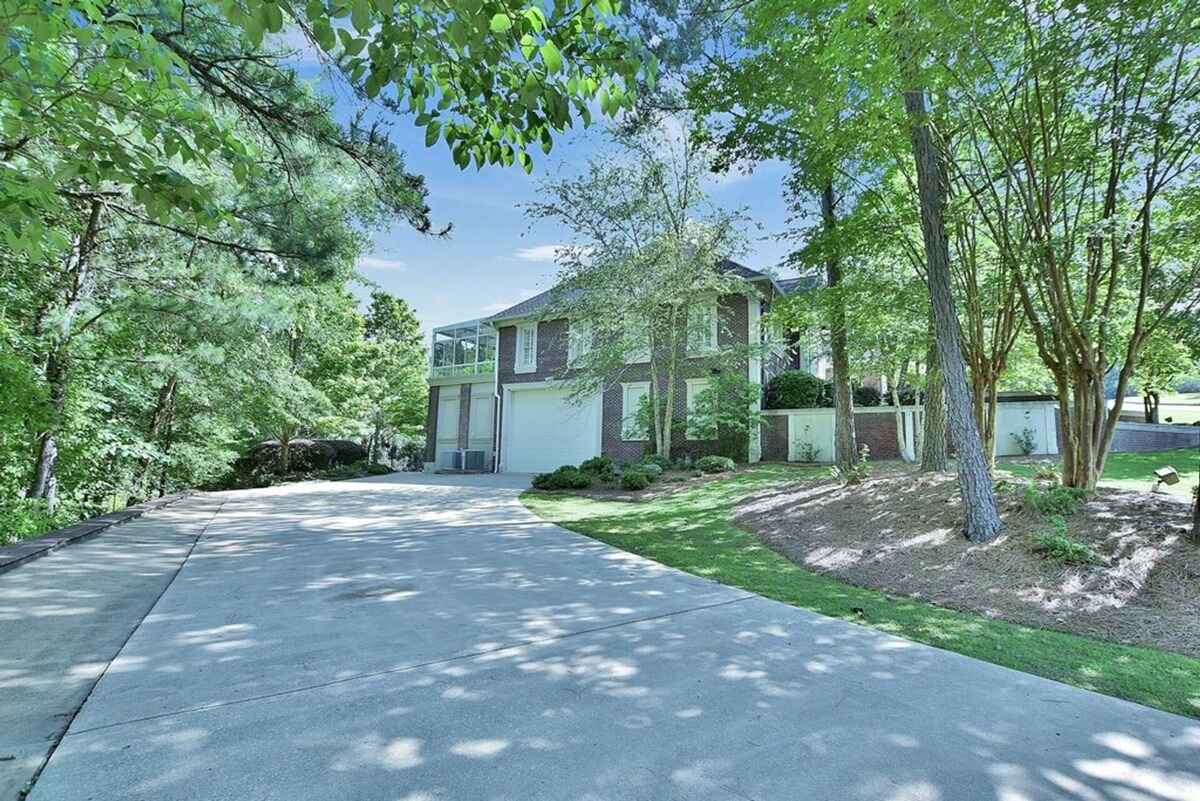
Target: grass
[(1134, 470), (691, 530)]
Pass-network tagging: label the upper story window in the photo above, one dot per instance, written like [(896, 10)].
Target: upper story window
[(637, 332), (463, 349), (702, 329), (579, 341), (525, 360)]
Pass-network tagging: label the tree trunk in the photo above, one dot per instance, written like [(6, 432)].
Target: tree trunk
[(160, 420), (974, 479), (898, 416), (934, 458), (1195, 536), (45, 471), (1150, 404), (845, 445), (991, 389), (286, 433)]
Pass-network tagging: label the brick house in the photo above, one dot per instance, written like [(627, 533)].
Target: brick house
[(499, 396)]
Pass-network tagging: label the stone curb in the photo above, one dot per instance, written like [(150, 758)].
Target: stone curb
[(25, 551)]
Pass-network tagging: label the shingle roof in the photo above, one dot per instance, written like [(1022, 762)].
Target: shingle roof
[(539, 301), (802, 284), (524, 308)]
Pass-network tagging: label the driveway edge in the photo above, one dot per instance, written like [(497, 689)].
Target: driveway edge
[(24, 551)]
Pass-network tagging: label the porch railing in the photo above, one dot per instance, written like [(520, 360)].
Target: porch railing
[(455, 370)]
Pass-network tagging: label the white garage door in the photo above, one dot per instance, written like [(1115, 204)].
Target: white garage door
[(543, 431)]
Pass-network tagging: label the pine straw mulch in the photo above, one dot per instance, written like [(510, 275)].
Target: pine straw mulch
[(900, 531)]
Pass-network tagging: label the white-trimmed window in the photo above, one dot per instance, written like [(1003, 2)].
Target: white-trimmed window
[(632, 395), (579, 341), (526, 357), (694, 387), (702, 328), (638, 331)]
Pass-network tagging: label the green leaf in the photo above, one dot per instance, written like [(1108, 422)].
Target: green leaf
[(360, 15), (501, 23), (551, 57), (432, 131)]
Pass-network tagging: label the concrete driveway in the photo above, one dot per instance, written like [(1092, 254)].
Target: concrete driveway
[(418, 638)]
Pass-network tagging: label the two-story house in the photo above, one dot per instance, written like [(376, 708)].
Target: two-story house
[(498, 399)]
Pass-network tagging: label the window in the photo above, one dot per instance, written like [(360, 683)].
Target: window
[(694, 429), (526, 358), (579, 342), (632, 397), (638, 334), (702, 329)]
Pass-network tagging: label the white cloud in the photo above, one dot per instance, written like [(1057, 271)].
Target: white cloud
[(539, 252), (376, 263)]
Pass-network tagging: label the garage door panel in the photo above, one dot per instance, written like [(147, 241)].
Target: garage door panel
[(544, 430)]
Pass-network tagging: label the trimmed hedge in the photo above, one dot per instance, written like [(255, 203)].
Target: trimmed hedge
[(633, 480), (566, 477), (599, 466), (715, 464), (867, 396), (653, 458), (651, 469), (796, 389)]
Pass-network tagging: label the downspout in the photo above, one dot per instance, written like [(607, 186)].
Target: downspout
[(496, 407)]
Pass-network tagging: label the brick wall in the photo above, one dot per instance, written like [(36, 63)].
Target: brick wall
[(775, 438), (877, 432), (552, 361), (551, 353), (1148, 437)]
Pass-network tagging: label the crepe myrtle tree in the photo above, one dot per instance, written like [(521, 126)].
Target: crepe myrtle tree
[(641, 283)]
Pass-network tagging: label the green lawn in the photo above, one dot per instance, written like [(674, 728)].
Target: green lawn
[(691, 530), (1135, 470)]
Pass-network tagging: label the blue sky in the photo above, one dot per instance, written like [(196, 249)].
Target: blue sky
[(494, 257)]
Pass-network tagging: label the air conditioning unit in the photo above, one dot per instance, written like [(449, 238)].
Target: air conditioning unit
[(464, 460), (473, 460)]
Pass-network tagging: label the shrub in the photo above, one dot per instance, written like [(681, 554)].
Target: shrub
[(565, 477), (377, 469), (599, 466), (1047, 471), (715, 464), (806, 450), (796, 389), (907, 395), (1054, 500), (633, 479), (1026, 440), (867, 396), (1057, 546), (1189, 384), (859, 471), (663, 462), (410, 455), (652, 470), (683, 462)]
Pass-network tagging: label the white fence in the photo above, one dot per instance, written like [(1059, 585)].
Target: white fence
[(810, 431)]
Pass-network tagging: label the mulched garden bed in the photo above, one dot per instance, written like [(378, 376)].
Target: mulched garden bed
[(900, 532), (668, 483)]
